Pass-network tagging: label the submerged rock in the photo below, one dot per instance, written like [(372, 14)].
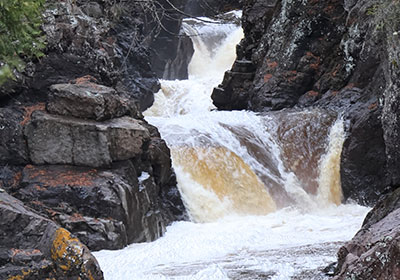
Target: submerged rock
[(34, 247)]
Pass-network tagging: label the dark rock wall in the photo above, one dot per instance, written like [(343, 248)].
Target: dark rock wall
[(211, 8), (335, 54), (74, 148)]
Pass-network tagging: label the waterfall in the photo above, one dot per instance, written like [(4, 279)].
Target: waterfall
[(241, 163), (262, 190)]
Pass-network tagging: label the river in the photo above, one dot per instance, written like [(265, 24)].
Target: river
[(262, 191)]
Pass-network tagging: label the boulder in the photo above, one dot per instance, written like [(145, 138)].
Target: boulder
[(34, 247), (374, 252), (63, 140), (105, 209), (89, 101)]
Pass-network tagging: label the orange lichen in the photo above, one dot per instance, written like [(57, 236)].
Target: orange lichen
[(39, 188), (16, 180), (52, 213), (312, 93), (15, 252), (53, 178), (22, 276), (291, 75), (76, 217), (272, 64), (267, 77), (67, 252), (29, 110), (84, 80), (329, 9), (373, 106), (88, 81)]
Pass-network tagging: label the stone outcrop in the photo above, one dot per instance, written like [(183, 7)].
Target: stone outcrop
[(54, 139), (73, 143), (338, 54), (34, 247), (90, 166), (90, 101), (375, 251)]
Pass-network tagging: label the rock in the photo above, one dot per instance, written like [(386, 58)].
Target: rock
[(33, 247), (363, 157), (178, 68), (374, 252), (89, 101), (211, 8), (13, 149), (105, 209), (303, 54), (61, 140)]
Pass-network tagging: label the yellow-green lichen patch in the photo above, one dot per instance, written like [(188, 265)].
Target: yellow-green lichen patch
[(20, 276), (69, 255), (66, 251)]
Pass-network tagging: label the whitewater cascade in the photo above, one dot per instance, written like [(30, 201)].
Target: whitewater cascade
[(251, 182)]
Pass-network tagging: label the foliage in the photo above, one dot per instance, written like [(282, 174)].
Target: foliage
[(20, 34)]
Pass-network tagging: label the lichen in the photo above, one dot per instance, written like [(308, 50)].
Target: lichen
[(68, 253), (21, 276)]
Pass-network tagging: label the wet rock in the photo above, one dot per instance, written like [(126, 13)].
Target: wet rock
[(105, 209), (363, 158), (341, 55), (178, 67), (61, 140), (89, 101), (13, 149), (374, 252), (33, 247)]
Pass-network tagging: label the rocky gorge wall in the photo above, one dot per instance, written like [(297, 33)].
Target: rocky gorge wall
[(80, 169), (341, 55)]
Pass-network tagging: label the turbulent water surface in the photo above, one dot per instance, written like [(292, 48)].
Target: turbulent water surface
[(262, 190)]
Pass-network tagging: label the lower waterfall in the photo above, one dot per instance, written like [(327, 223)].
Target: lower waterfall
[(262, 190)]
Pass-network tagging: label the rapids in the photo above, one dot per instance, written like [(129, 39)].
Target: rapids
[(262, 191)]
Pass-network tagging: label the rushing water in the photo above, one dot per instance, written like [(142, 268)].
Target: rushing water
[(262, 190)]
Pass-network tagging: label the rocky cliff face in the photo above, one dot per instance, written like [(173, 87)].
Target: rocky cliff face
[(80, 168), (341, 55), (86, 161)]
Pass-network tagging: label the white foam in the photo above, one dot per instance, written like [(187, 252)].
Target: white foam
[(189, 250)]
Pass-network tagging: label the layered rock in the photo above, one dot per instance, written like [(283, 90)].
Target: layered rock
[(93, 168), (337, 54), (33, 247)]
